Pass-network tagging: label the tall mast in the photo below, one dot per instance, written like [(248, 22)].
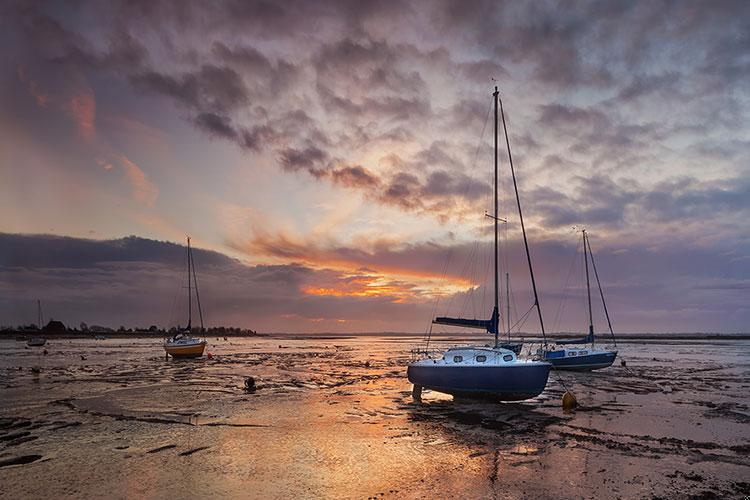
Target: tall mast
[(39, 312), (190, 294), (523, 228), (588, 289), (496, 310)]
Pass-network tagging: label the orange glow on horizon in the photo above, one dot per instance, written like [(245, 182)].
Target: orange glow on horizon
[(388, 286)]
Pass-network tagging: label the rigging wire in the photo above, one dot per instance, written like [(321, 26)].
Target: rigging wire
[(556, 322), (197, 295), (173, 312), (601, 292), (428, 330)]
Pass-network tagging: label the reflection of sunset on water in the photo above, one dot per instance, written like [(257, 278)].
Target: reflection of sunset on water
[(334, 417)]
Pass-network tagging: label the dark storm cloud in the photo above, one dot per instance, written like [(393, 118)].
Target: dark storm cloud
[(372, 65), (441, 183), (553, 39), (311, 159), (354, 176), (360, 79), (45, 251), (210, 88), (216, 124), (690, 198), (59, 45), (134, 282), (402, 190), (269, 77), (386, 108), (599, 200), (604, 138)]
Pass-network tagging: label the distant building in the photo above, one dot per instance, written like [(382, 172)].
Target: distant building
[(54, 327)]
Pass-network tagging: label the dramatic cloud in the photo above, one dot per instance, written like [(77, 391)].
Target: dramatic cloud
[(135, 282), (359, 135)]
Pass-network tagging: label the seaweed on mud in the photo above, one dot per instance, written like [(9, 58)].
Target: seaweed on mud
[(162, 448), (194, 450), (19, 460)]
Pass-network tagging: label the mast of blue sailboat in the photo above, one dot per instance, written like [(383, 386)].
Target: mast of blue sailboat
[(588, 289), (523, 228), (496, 310)]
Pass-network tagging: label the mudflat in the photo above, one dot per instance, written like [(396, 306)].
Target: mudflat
[(334, 417)]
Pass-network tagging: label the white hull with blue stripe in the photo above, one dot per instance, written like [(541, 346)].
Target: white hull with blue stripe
[(578, 359), (481, 372)]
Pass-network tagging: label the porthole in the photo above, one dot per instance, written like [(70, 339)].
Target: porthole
[(457, 359), (481, 358), (508, 357)]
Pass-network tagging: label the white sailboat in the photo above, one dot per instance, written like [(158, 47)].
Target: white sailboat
[(485, 372), (37, 341), (589, 357), (183, 344)]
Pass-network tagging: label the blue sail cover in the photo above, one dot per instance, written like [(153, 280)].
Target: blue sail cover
[(588, 339), (485, 324)]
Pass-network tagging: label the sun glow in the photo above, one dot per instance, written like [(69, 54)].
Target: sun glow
[(397, 288)]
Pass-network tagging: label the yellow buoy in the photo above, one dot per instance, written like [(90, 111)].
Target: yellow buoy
[(569, 401)]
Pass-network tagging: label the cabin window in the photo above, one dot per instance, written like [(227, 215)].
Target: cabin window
[(572, 353), (583, 353), (482, 358), (508, 357), (457, 359)]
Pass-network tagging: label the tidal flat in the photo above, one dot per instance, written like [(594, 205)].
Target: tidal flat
[(334, 417)]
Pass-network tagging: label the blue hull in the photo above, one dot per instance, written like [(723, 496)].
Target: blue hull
[(504, 383), (584, 363)]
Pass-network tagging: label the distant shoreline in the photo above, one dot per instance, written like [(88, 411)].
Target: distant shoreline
[(621, 337)]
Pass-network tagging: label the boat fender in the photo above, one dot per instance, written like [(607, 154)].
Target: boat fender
[(622, 363), (249, 384), (45, 352), (569, 401), (210, 356)]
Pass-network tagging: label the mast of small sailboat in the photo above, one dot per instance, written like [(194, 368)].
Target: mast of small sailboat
[(190, 293), (588, 289), (39, 313)]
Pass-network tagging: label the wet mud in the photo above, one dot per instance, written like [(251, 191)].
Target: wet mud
[(334, 417)]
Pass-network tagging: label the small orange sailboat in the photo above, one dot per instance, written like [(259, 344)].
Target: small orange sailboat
[(183, 344)]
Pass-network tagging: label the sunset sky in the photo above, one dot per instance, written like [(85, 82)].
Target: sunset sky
[(333, 159)]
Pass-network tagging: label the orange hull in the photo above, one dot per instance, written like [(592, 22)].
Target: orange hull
[(186, 351)]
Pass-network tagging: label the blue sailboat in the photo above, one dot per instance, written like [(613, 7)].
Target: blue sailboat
[(482, 371), (583, 358)]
